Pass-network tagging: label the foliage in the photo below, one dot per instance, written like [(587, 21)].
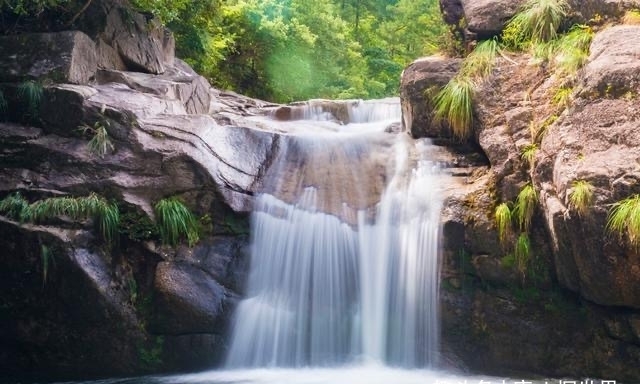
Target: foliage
[(632, 17), (105, 214), (537, 21), (280, 50), (522, 253), (529, 154), (31, 93), (479, 64), (137, 226), (175, 221), (562, 97), (581, 196), (624, 218), (503, 217), (524, 207), (572, 49), (100, 142), (30, 7), (15, 207), (454, 104)]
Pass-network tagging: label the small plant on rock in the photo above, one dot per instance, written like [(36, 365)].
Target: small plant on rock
[(528, 154), (454, 104), (525, 205), (503, 217), (632, 17), (15, 207), (537, 21), (624, 218), (31, 93), (563, 97), (175, 221), (572, 50), (100, 143), (522, 254), (479, 64), (581, 196)]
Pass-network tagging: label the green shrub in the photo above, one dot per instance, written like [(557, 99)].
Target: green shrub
[(581, 196), (454, 104), (503, 219), (175, 221), (525, 205), (624, 218), (537, 21)]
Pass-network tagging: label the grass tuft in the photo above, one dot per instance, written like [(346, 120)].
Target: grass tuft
[(105, 214), (31, 93), (100, 142), (503, 217), (563, 97), (525, 205), (581, 196), (522, 254), (537, 21), (572, 50), (16, 207), (479, 64), (624, 218), (454, 104), (528, 154), (175, 222), (632, 17)]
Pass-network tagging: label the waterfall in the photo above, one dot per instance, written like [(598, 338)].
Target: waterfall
[(344, 249)]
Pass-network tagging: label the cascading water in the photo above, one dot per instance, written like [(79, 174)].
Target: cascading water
[(344, 257)]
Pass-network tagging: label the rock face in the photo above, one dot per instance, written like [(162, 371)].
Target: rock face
[(582, 279), (127, 39), (142, 306), (67, 57), (487, 18), (420, 82)]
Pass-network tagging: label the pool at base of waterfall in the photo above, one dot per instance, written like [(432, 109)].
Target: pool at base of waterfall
[(360, 374)]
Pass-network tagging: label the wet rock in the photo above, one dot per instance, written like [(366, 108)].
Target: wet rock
[(187, 300), (420, 82), (67, 57)]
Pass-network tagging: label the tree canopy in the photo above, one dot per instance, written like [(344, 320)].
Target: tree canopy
[(285, 50)]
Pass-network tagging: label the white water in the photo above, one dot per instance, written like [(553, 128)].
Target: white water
[(335, 278)]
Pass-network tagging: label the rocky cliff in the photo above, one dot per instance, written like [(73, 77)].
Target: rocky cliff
[(72, 305), (572, 308)]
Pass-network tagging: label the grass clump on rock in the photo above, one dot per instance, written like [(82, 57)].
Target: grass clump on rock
[(175, 221), (581, 196), (503, 217), (538, 21), (454, 104), (624, 219), (525, 204)]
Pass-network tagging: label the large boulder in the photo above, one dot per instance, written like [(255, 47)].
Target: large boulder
[(597, 140), (67, 57), (420, 82), (187, 300), (127, 39), (487, 18)]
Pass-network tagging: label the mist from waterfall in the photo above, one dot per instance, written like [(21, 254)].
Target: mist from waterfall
[(344, 254)]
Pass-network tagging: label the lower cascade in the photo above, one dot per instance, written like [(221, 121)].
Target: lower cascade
[(344, 257)]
